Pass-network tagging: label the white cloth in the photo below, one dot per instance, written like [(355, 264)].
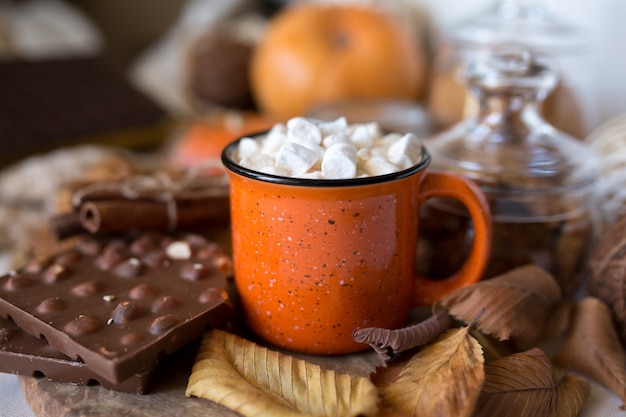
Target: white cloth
[(12, 401)]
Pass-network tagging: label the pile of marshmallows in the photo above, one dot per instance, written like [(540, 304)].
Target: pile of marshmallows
[(306, 148)]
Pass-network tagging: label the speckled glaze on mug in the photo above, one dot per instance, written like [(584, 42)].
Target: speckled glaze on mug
[(316, 259)]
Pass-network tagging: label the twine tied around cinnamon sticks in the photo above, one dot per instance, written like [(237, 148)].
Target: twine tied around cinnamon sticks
[(154, 202)]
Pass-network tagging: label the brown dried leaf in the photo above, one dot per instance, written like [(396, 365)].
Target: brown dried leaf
[(593, 347), (493, 348), (526, 384), (253, 380), (443, 379), (573, 392), (519, 304)]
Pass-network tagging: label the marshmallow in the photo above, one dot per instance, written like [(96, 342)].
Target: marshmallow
[(334, 138), (295, 158), (339, 125), (364, 134), (388, 140), (304, 148), (257, 162), (304, 132), (274, 139), (409, 146), (313, 175), (339, 161), (248, 147), (402, 162), (273, 170), (263, 163), (378, 165), (364, 154)]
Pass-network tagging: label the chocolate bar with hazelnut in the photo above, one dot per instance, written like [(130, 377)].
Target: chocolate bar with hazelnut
[(24, 354), (120, 304)]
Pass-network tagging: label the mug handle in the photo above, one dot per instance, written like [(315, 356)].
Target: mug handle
[(440, 184)]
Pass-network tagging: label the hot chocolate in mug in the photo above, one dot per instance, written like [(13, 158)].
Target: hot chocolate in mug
[(314, 259)]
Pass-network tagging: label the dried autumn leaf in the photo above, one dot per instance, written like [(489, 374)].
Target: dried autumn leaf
[(593, 347), (520, 304), (526, 384), (253, 381), (573, 392), (442, 379), (492, 348)]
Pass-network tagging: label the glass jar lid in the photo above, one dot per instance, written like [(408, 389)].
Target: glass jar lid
[(507, 146), (531, 23)]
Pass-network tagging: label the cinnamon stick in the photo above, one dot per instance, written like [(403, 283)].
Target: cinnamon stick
[(104, 216), (66, 225), (157, 202)]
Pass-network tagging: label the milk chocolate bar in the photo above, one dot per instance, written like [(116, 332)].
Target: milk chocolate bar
[(23, 354), (120, 304)]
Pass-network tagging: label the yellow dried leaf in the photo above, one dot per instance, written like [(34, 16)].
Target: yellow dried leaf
[(593, 347), (526, 385), (519, 304), (255, 381), (443, 379)]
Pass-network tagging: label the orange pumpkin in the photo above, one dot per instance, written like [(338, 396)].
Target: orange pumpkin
[(201, 142), (314, 53)]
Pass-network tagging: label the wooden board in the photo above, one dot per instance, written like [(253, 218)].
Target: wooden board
[(166, 398)]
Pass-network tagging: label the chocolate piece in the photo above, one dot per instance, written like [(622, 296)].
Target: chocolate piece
[(23, 354), (389, 342), (113, 310)]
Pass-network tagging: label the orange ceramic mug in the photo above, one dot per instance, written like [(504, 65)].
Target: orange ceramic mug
[(316, 259)]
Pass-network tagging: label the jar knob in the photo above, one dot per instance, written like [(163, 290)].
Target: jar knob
[(514, 69)]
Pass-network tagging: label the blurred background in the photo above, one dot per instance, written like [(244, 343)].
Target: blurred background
[(184, 77), (601, 22), (153, 45)]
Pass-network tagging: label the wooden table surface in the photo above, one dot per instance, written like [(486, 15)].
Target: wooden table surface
[(167, 396)]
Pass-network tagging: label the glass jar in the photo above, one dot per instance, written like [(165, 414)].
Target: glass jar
[(533, 25), (537, 179)]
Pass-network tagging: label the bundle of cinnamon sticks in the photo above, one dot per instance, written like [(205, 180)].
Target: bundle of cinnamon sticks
[(142, 202)]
